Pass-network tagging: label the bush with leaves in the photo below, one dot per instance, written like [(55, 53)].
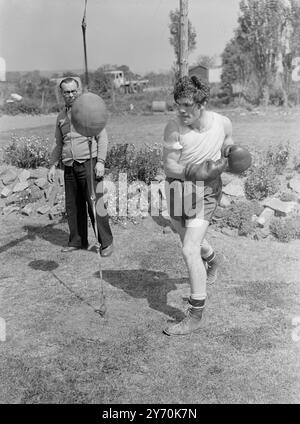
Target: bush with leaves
[(29, 107), (142, 164), (27, 152), (239, 215), (278, 157), (285, 229), (296, 163), (261, 182)]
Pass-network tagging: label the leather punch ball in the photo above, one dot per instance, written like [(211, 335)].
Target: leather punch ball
[(89, 114)]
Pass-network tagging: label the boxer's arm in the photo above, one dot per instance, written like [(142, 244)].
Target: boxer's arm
[(172, 151), (172, 166), (228, 140)]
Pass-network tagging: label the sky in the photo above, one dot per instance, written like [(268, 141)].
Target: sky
[(47, 35)]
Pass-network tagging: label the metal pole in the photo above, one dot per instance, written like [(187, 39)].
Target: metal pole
[(83, 27), (184, 46), (102, 307)]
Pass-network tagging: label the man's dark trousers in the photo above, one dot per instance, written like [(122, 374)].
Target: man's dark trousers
[(78, 202)]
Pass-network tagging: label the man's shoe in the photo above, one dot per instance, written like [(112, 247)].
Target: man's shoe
[(68, 249), (212, 270), (107, 251), (192, 322)]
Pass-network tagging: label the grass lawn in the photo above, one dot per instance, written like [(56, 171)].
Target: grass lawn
[(58, 350), (270, 127)]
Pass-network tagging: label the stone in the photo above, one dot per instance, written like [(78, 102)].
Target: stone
[(9, 209), (27, 210), (9, 176), (40, 172), (265, 217), (41, 183), (25, 174), (219, 213), (231, 232), (57, 209), (13, 198), (43, 209), (294, 184), (235, 188), (21, 186), (225, 201), (36, 193), (281, 208), (262, 233), (288, 196), (227, 178), (6, 191)]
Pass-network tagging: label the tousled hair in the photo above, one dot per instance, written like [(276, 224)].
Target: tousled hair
[(193, 88)]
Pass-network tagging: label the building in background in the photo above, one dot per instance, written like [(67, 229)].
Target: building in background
[(3, 85), (2, 69), (214, 75), (199, 71)]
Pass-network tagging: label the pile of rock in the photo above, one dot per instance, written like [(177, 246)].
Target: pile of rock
[(28, 192), (284, 204), (233, 191)]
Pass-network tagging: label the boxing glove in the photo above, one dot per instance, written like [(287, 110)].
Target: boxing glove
[(239, 159), (205, 171)]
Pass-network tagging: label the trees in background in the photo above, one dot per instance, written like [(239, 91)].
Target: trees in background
[(33, 86), (100, 83), (207, 61), (174, 38), (259, 57)]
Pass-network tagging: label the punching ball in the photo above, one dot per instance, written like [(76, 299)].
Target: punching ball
[(89, 114)]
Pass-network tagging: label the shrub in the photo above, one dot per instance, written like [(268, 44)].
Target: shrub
[(261, 182), (276, 97), (296, 163), (239, 215), (140, 164), (27, 152), (25, 106), (285, 229), (53, 108), (278, 157)]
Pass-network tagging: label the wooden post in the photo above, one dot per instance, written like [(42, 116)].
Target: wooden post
[(184, 40)]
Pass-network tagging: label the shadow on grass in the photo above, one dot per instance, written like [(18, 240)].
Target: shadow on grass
[(14, 243), (162, 222), (151, 285), (49, 232), (43, 265), (50, 266)]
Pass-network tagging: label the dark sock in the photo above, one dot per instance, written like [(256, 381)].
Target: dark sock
[(210, 257), (197, 303)]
